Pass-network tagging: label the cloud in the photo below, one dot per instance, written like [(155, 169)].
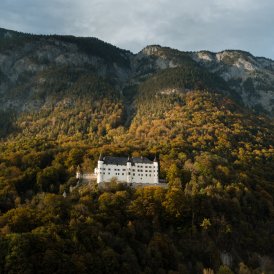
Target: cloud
[(184, 24)]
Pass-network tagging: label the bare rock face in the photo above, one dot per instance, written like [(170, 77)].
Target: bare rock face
[(251, 77)]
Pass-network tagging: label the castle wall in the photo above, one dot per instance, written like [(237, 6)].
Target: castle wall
[(137, 173)]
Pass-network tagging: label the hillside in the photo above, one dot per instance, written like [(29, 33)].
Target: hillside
[(209, 116)]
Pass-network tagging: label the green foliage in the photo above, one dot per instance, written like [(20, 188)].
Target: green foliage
[(49, 179), (11, 40), (185, 77), (96, 47), (7, 119)]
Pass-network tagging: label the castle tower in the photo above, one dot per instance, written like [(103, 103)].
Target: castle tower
[(78, 172), (129, 175), (100, 176), (156, 170)]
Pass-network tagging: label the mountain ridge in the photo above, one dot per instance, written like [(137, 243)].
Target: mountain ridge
[(249, 77)]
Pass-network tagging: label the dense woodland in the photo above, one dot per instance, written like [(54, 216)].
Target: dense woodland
[(216, 216)]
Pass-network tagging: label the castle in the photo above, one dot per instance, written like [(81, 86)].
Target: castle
[(132, 170)]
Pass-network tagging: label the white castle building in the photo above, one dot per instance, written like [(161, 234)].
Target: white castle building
[(136, 170)]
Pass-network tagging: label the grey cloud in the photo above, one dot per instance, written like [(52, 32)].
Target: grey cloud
[(184, 24)]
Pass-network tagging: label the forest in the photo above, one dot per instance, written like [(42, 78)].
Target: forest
[(218, 163)]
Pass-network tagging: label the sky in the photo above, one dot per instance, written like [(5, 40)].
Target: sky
[(187, 25)]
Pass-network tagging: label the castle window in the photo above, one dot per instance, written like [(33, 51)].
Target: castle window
[(122, 173)]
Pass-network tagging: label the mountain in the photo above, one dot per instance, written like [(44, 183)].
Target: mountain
[(209, 116), (251, 77), (38, 71), (26, 57)]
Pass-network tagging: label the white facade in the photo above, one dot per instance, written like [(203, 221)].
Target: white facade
[(128, 170)]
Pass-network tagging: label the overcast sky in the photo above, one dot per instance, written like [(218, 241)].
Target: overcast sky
[(183, 24)]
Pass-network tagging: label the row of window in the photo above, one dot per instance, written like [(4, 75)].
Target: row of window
[(140, 170), (150, 167), (117, 169), (118, 174), (144, 166)]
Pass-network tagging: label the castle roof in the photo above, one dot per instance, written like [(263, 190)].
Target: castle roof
[(143, 160), (110, 160)]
